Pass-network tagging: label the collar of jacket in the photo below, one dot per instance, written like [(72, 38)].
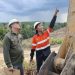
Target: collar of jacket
[(14, 33)]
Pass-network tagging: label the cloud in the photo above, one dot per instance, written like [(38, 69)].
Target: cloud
[(62, 17), (31, 9)]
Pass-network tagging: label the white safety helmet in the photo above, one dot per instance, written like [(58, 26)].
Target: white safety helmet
[(12, 21), (36, 23)]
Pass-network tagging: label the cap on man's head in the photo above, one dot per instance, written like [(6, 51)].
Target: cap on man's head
[(35, 24), (12, 21)]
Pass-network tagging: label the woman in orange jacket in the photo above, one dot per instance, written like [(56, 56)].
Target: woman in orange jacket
[(40, 41)]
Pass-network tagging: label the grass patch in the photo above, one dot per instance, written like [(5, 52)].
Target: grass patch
[(29, 66), (56, 41)]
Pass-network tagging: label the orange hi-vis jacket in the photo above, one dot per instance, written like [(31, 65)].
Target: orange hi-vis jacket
[(40, 42)]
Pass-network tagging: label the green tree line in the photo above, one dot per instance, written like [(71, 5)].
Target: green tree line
[(27, 29)]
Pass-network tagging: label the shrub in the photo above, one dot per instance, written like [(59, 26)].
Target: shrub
[(56, 41), (2, 32)]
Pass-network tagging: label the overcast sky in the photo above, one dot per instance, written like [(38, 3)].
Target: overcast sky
[(33, 10)]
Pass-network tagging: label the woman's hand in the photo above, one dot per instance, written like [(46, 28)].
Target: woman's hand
[(56, 12)]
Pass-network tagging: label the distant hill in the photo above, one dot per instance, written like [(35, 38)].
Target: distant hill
[(59, 33)]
